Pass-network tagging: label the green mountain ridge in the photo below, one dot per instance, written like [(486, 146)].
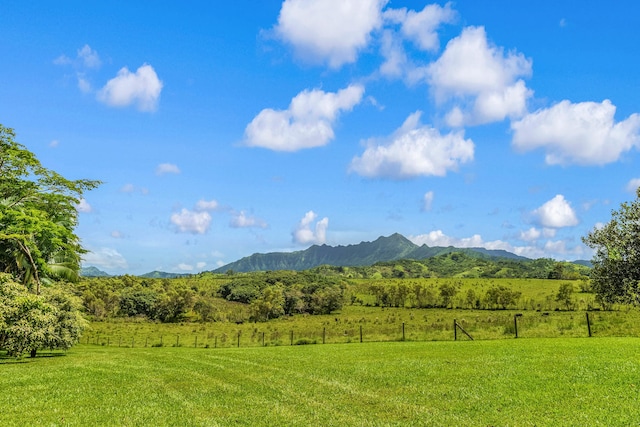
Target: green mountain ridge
[(391, 248)]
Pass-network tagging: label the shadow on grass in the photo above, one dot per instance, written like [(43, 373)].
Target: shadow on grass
[(5, 359)]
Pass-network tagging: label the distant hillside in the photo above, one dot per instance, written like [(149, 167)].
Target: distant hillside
[(92, 272), (392, 248)]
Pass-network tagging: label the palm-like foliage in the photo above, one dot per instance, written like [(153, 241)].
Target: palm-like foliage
[(38, 216)]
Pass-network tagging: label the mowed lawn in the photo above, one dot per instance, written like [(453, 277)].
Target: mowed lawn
[(517, 382)]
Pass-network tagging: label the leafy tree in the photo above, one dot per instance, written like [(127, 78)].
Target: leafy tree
[(447, 292), (616, 263), (38, 215), (269, 305), (29, 321), (501, 296), (564, 295)]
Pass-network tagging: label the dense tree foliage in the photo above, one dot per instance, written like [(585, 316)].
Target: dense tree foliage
[(616, 262), (460, 264), (38, 216), (29, 322)]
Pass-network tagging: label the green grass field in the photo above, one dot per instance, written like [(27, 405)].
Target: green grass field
[(378, 324), (524, 382)]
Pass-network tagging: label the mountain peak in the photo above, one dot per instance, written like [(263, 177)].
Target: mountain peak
[(389, 248)]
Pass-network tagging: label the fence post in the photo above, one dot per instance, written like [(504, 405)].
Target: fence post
[(588, 324), (324, 335), (238, 339), (292, 337), (161, 343), (196, 343), (177, 340), (360, 333), (455, 330), (515, 324), (403, 331), (263, 339)]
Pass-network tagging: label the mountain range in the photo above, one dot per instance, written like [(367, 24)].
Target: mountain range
[(391, 248)]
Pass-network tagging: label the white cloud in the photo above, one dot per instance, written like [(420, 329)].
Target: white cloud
[(89, 57), (482, 78), (117, 234), (185, 267), (85, 58), (83, 83), (54, 143), (633, 185), (207, 205), (307, 123), (396, 61), (303, 234), (556, 213), (427, 201), (584, 133), (331, 31), (192, 222), (414, 150), (200, 265), (84, 206), (420, 27), (141, 88), (242, 220), (166, 168), (530, 235), (554, 249), (106, 258)]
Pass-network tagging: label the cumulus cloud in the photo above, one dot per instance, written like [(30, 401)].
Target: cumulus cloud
[(556, 213), (421, 27), (584, 133), (106, 258), (167, 168), (141, 88), (193, 222), (307, 123), (84, 206), (484, 83), (329, 31), (86, 57), (414, 150), (89, 57), (207, 205), (85, 60), (185, 267), (530, 235), (427, 201), (554, 249), (242, 220), (304, 234), (196, 221), (633, 185)]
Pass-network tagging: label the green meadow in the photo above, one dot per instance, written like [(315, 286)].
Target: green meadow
[(524, 382)]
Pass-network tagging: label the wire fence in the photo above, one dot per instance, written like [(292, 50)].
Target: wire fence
[(470, 325)]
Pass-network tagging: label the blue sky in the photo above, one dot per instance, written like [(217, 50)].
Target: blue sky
[(221, 129)]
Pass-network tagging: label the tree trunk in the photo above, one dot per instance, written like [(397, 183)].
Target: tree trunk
[(33, 352)]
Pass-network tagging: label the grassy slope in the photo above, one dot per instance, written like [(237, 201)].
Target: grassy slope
[(504, 382)]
